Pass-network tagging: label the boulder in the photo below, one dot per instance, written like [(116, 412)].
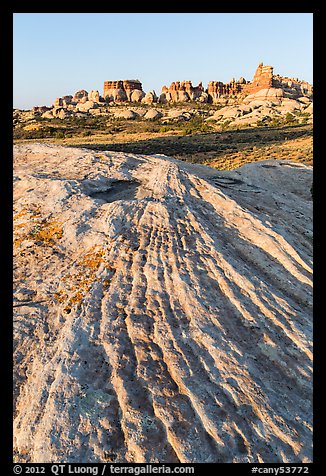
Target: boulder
[(96, 111), (141, 111), (260, 103), (60, 112), (137, 95), (153, 114), (289, 105), (56, 111), (163, 98), (63, 114), (310, 108), (245, 109), (85, 106), (183, 96), (47, 115), (176, 115), (304, 100), (119, 95), (94, 96), (126, 114), (275, 94), (58, 102), (149, 98), (203, 98), (82, 93), (227, 111), (67, 100)]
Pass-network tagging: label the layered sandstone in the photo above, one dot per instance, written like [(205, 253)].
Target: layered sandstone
[(235, 91), (263, 79), (218, 92), (162, 310), (181, 91), (217, 89), (120, 91)]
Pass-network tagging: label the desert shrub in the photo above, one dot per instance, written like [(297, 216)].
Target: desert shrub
[(169, 127), (59, 135), (43, 133), (116, 129), (225, 124), (152, 128), (195, 125), (290, 119), (302, 114)]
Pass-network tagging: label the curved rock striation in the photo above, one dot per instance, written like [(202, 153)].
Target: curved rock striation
[(162, 309)]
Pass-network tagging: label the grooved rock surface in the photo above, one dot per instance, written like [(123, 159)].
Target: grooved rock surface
[(162, 310)]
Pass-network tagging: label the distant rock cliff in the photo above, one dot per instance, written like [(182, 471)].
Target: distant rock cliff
[(217, 92)]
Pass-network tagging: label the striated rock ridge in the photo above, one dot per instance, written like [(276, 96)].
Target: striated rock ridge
[(162, 310)]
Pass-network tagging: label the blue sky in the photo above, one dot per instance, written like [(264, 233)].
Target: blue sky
[(58, 53)]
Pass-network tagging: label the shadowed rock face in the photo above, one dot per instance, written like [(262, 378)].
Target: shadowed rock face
[(166, 320)]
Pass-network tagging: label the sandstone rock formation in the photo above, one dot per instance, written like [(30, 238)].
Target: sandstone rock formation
[(265, 86), (263, 79), (270, 94), (293, 87), (120, 91), (40, 109), (217, 89), (94, 96), (125, 114), (84, 106), (149, 97), (162, 310), (82, 93), (58, 102), (153, 114), (137, 95), (47, 115), (181, 92)]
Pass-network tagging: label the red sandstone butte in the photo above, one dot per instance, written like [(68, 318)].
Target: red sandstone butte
[(123, 87)]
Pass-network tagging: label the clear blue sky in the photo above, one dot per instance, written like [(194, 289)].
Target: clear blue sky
[(58, 53)]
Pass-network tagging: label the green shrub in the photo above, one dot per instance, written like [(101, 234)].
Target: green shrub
[(226, 124), (289, 117), (59, 135)]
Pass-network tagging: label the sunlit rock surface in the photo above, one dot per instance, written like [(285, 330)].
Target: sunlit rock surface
[(162, 310)]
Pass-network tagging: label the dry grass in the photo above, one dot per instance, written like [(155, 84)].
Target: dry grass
[(72, 294), (298, 150), (48, 232)]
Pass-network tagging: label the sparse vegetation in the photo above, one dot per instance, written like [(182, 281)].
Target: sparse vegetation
[(189, 138), (48, 232), (71, 295)]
